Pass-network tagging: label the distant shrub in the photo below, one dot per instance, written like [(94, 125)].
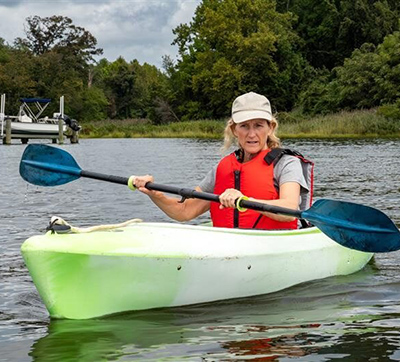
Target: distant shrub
[(390, 111)]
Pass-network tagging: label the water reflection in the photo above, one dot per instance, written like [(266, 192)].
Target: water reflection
[(309, 319)]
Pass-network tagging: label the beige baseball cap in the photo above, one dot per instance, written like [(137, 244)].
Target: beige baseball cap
[(251, 106)]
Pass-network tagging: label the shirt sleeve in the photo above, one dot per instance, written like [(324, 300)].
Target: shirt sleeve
[(208, 182), (289, 169)]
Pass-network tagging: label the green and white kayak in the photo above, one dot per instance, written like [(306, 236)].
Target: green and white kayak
[(153, 265)]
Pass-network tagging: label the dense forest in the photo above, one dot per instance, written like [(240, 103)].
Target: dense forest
[(311, 56)]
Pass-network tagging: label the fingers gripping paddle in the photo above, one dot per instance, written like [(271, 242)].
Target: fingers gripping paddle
[(352, 225)]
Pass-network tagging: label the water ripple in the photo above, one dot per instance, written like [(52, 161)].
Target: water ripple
[(354, 318)]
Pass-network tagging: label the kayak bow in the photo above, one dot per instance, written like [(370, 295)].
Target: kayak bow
[(154, 265)]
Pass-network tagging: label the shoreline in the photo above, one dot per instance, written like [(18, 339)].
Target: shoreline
[(281, 136), (364, 124)]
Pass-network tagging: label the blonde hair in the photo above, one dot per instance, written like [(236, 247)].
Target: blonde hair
[(229, 138)]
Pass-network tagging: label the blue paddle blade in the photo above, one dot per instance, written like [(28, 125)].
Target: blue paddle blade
[(48, 166), (355, 226)]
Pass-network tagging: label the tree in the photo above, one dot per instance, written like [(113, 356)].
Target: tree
[(150, 91), (59, 54), (333, 29), (90, 104), (15, 76), (117, 79), (132, 90), (57, 33), (369, 78), (234, 46), (56, 38)]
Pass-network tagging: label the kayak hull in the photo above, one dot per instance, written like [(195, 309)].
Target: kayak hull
[(153, 265)]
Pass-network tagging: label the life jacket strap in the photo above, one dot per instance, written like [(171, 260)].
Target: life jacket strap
[(308, 170), (276, 153)]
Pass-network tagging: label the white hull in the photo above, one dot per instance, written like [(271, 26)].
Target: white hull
[(28, 128)]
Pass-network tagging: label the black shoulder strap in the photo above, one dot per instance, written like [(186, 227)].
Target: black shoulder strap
[(275, 154)]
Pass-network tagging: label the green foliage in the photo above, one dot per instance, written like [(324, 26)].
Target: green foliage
[(369, 78), (15, 77), (117, 79), (391, 111), (321, 95), (353, 124), (57, 33), (235, 46), (151, 90), (52, 61), (132, 89), (230, 47), (333, 29), (140, 128), (92, 105), (342, 124), (4, 51)]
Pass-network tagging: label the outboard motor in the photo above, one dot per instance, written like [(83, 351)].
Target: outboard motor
[(72, 123)]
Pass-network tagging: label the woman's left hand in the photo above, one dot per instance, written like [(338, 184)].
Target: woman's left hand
[(228, 198)]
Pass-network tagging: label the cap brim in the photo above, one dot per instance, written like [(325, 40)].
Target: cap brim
[(244, 116)]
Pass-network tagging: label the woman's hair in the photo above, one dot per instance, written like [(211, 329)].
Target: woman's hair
[(229, 138)]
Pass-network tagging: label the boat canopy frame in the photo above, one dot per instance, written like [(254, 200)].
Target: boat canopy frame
[(40, 104)]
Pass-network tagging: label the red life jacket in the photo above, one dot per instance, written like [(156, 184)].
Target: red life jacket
[(254, 178)]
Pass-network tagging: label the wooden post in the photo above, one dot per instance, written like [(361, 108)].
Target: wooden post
[(61, 131), (8, 132)]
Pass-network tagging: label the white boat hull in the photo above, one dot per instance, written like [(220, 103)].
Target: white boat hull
[(28, 128)]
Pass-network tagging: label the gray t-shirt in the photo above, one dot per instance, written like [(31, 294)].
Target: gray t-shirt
[(288, 169)]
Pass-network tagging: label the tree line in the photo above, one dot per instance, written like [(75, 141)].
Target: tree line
[(312, 56)]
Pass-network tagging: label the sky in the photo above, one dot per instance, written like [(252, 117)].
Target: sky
[(133, 29)]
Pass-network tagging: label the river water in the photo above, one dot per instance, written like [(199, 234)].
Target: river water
[(354, 318)]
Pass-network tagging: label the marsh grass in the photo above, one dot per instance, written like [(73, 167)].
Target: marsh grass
[(132, 128), (356, 124), (364, 124)]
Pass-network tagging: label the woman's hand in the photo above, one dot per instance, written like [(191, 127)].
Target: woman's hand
[(228, 198), (140, 182)]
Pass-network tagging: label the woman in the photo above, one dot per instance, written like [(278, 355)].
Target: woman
[(246, 173)]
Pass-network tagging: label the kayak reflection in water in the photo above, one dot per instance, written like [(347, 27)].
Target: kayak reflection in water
[(259, 170)]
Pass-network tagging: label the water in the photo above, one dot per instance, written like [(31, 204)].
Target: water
[(354, 318)]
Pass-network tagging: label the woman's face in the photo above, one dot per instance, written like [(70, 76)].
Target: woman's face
[(252, 135)]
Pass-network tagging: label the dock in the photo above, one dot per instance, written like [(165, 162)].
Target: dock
[(27, 125)]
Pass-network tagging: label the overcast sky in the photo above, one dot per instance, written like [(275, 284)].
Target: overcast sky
[(133, 29)]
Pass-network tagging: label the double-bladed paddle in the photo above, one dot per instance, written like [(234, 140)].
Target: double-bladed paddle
[(352, 225)]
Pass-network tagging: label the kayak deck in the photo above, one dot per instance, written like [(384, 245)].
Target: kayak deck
[(152, 265)]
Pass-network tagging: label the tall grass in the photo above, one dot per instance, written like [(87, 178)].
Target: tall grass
[(356, 124), (131, 128)]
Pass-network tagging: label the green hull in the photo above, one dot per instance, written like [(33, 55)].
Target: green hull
[(152, 265)]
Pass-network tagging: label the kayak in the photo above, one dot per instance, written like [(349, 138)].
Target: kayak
[(153, 265)]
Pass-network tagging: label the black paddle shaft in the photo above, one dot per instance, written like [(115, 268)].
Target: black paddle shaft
[(103, 177), (188, 193)]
